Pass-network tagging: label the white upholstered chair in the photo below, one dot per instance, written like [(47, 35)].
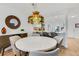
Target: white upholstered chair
[(53, 52), (13, 39), (59, 40), (44, 53)]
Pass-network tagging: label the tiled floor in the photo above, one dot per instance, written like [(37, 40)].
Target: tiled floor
[(72, 50)]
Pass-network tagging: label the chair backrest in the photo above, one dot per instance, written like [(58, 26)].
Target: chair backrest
[(13, 39), (59, 40), (4, 41), (43, 53)]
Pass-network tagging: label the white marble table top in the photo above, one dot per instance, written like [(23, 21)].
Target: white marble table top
[(35, 43)]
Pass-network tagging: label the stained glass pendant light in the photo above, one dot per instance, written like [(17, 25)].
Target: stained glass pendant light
[(36, 20)]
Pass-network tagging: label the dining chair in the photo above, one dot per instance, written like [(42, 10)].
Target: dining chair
[(13, 39), (45, 53), (52, 52), (4, 43), (59, 40)]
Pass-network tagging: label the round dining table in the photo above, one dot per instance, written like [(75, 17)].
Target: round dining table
[(35, 43)]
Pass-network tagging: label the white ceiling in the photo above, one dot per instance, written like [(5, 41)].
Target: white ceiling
[(44, 6)]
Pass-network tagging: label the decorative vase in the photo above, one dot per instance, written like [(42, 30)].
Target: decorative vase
[(3, 30), (22, 29)]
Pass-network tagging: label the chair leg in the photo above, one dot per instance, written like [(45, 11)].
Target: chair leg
[(15, 55), (2, 52), (23, 53), (26, 53), (20, 53)]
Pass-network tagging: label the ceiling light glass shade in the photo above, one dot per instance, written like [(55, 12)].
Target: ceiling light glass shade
[(37, 21), (35, 18)]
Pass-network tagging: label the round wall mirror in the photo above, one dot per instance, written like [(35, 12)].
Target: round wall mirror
[(12, 22)]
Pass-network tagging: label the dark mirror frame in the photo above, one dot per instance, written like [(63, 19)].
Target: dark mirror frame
[(8, 19)]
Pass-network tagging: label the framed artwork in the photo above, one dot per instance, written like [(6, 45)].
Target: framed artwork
[(77, 25)]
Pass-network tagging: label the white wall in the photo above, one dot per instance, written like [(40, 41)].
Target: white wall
[(54, 14), (73, 18)]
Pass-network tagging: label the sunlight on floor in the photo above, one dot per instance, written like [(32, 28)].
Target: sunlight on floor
[(73, 48)]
